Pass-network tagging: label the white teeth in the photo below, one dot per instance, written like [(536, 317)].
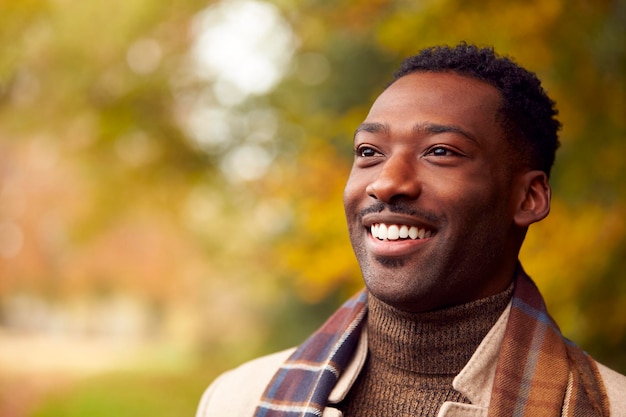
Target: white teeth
[(382, 231), (393, 232)]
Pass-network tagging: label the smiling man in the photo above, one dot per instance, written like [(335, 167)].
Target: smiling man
[(451, 166), (431, 158)]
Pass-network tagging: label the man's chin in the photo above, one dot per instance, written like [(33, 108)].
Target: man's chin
[(390, 261)]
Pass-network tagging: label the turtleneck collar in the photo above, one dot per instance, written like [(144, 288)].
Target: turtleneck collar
[(439, 342)]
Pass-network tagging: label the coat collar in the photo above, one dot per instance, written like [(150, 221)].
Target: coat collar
[(474, 381)]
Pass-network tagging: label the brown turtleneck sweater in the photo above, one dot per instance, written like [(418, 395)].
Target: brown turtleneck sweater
[(413, 357)]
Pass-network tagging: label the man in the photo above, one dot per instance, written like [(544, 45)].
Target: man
[(451, 167)]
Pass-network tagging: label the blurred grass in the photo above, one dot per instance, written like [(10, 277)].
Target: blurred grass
[(130, 394)]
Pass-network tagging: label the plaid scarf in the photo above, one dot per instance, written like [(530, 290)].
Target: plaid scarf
[(535, 367), (537, 364)]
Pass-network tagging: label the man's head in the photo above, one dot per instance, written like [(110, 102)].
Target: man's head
[(528, 115), (436, 205)]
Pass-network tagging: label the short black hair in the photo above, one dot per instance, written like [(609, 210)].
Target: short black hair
[(527, 114)]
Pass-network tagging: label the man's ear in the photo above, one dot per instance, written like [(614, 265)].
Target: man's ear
[(534, 202)]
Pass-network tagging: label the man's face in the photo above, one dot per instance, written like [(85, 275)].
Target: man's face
[(428, 201)]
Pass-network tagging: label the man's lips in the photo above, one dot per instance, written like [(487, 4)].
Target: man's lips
[(393, 234), (384, 231), (395, 226)]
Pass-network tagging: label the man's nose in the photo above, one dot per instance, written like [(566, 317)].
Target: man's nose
[(398, 178)]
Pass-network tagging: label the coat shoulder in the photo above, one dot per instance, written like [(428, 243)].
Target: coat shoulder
[(615, 385), (237, 392)]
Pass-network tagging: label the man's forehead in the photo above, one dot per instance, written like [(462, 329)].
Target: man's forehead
[(438, 98)]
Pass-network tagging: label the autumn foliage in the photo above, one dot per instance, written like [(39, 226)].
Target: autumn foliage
[(128, 171)]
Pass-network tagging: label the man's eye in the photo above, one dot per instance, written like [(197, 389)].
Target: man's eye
[(441, 151), (365, 151)]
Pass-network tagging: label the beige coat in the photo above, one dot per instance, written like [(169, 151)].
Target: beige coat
[(237, 392)]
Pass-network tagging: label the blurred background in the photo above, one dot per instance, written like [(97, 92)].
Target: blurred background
[(171, 177)]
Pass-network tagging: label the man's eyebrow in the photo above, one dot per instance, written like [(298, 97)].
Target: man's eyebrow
[(435, 128), (372, 128), (431, 128)]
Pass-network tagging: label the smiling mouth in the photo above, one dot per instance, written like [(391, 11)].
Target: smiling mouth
[(382, 231)]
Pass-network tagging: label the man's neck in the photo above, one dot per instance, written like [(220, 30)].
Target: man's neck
[(436, 342)]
